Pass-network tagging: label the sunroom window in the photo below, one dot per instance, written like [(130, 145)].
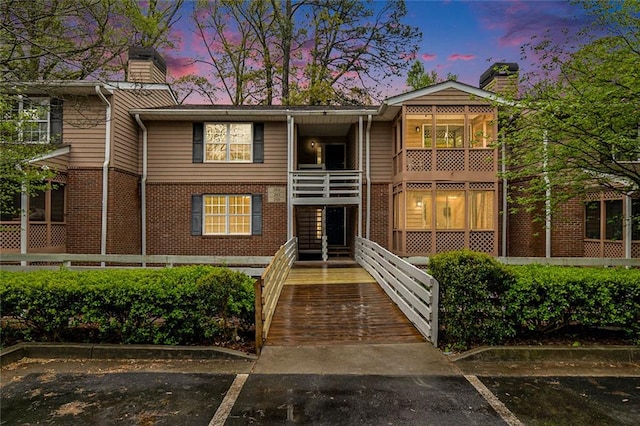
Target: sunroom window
[(481, 129), (481, 210), (418, 210), (449, 131), (450, 210)]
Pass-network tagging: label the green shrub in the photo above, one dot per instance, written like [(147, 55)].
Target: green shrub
[(472, 288), (186, 305), (546, 298)]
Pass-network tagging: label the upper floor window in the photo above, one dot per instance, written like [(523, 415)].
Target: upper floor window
[(474, 129), (450, 131), (227, 142), (33, 120)]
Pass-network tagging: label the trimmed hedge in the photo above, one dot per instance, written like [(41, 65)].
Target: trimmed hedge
[(485, 303), (185, 305), (472, 288)]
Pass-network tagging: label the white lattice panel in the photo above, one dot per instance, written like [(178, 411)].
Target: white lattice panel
[(10, 236), (449, 241), (419, 161), (482, 241), (481, 160), (613, 249), (449, 160)]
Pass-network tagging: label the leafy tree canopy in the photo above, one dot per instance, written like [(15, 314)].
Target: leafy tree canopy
[(418, 78), (576, 122)]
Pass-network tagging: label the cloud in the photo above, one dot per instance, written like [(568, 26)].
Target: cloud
[(520, 21), (461, 57), (428, 57), (181, 66)]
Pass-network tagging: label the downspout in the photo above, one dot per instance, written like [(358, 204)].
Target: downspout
[(368, 142), (505, 205), (24, 219), (105, 173), (143, 191), (547, 197), (289, 177), (628, 230), (360, 161)]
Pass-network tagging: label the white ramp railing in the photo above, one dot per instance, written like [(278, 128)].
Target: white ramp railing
[(413, 290)]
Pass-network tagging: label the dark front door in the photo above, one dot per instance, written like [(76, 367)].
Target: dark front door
[(334, 157), (335, 226)]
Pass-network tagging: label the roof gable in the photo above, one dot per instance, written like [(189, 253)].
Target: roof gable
[(449, 84)]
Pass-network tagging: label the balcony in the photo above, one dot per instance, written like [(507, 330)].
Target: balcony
[(319, 187)]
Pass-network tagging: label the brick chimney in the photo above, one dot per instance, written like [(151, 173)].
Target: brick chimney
[(501, 77), (146, 65)]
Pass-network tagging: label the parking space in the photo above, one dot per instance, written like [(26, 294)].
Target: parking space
[(569, 400)]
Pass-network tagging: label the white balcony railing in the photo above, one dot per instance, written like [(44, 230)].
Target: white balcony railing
[(324, 187)]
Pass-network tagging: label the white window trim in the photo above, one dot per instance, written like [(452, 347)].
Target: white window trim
[(227, 215), (227, 142), (21, 108)]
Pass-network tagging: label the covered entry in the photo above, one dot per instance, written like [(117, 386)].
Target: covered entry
[(325, 232)]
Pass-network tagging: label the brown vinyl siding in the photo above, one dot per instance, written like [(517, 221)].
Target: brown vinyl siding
[(449, 96), (381, 152), (84, 130), (125, 152), (170, 157)]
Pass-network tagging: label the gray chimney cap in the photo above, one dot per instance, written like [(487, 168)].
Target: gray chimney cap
[(149, 54), (499, 68)]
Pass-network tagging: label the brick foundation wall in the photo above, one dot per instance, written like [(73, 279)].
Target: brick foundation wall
[(84, 210), (526, 234), (169, 222), (123, 227), (567, 229), (380, 220)]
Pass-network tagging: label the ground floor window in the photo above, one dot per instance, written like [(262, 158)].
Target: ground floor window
[(606, 218), (43, 206), (227, 214), (450, 210)]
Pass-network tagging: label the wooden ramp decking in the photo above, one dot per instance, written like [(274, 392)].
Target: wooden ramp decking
[(339, 305)]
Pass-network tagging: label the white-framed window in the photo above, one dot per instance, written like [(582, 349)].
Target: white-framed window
[(228, 142), (33, 119), (226, 215)]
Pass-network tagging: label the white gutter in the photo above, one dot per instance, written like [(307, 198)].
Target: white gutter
[(143, 190), (105, 173), (360, 161), (368, 142), (547, 197)]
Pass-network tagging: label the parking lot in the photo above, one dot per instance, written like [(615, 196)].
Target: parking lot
[(244, 391)]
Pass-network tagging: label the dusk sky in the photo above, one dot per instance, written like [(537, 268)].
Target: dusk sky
[(461, 37)]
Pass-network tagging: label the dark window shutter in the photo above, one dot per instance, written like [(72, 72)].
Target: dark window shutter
[(256, 214), (55, 120), (198, 142), (258, 142), (196, 214)]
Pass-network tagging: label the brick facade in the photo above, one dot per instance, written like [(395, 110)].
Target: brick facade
[(84, 210), (123, 227), (380, 220), (169, 222), (567, 230)]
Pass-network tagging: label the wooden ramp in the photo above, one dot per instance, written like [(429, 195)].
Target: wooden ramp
[(336, 305)]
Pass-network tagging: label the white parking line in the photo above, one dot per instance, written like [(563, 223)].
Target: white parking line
[(229, 400), (497, 405)]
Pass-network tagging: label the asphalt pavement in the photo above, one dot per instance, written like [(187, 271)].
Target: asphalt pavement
[(360, 384)]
